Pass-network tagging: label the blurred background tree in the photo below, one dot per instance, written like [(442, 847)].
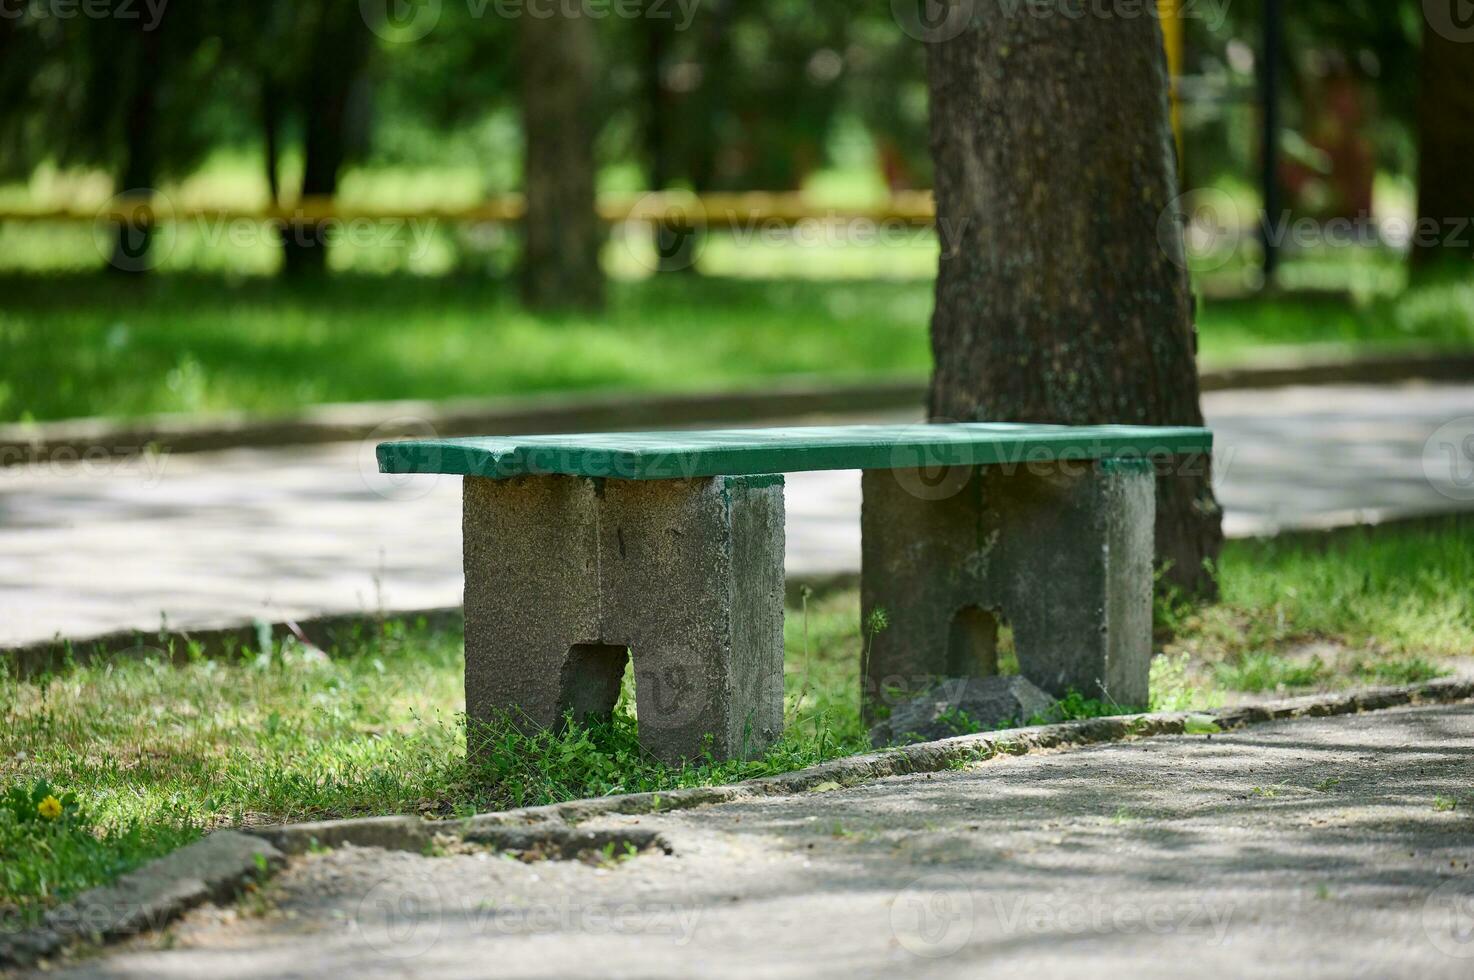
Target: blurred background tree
[(763, 95), (307, 111)]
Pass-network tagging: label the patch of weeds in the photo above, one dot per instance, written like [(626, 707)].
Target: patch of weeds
[(598, 757), (1444, 804), (1261, 671), (1266, 792), (1172, 611), (1411, 670), (52, 847), (1327, 784), (1173, 689), (1075, 706), (1124, 816), (959, 722), (1201, 725)]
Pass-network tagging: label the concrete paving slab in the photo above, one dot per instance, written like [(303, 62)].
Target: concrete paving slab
[(214, 539), (1326, 847)]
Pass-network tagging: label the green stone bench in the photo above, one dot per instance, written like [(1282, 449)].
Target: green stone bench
[(581, 550)]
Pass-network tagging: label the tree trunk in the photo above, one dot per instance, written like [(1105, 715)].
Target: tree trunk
[(271, 137), (1445, 147), (674, 242), (134, 238), (1061, 296), (561, 229), (339, 51)]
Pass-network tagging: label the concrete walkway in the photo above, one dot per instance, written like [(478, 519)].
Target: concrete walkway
[(215, 539), (1312, 848)]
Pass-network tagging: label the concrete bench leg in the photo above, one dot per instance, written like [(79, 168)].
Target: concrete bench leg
[(564, 574), (1060, 551)]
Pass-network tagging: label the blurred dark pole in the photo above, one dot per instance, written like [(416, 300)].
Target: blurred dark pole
[(338, 54), (674, 240), (271, 108), (1269, 78), (133, 238)]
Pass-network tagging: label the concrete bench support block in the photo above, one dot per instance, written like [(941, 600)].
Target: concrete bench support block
[(1061, 551), (564, 574)]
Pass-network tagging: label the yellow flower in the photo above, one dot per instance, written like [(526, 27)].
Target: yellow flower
[(50, 808)]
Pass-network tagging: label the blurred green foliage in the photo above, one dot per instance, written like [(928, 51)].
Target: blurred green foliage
[(711, 95)]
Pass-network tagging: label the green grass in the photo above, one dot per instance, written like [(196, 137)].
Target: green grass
[(92, 345), (1353, 607), (98, 346), (1260, 671), (158, 751)]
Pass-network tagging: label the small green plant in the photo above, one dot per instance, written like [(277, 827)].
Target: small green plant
[(1328, 784), (1444, 804), (958, 722), (875, 624), (803, 692), (613, 854)]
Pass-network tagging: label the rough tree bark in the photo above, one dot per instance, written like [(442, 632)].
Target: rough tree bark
[(1445, 145), (561, 230), (1062, 294)]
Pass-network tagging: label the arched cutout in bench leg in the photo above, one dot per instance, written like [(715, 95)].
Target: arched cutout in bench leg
[(687, 573), (1062, 550)]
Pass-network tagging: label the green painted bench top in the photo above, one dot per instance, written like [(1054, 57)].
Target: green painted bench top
[(744, 452)]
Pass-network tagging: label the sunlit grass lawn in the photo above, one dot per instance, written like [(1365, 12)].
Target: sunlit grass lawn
[(158, 752), (88, 344)]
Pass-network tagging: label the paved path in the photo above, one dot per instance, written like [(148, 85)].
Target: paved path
[(213, 539), (1302, 849)]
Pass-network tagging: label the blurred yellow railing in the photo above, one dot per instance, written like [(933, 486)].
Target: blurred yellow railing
[(709, 210)]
